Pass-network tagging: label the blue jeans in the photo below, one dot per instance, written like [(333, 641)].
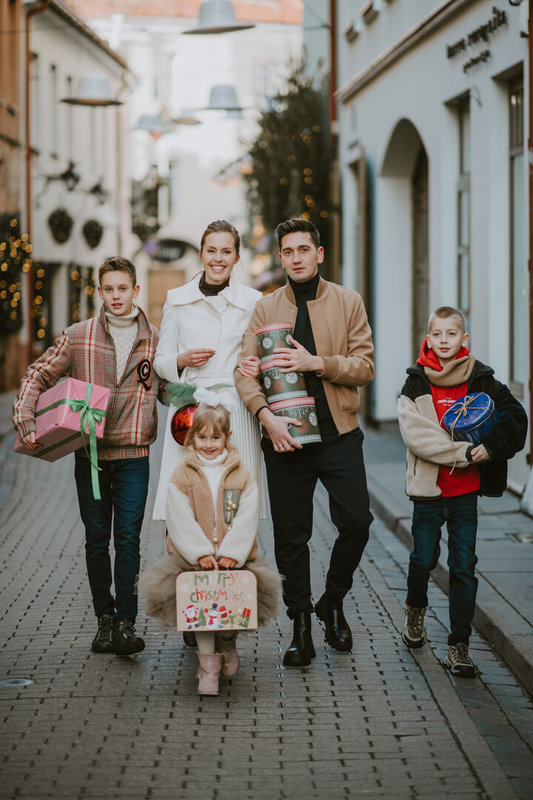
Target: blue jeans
[(124, 488), (460, 514)]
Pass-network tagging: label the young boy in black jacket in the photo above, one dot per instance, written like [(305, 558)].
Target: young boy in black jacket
[(444, 477)]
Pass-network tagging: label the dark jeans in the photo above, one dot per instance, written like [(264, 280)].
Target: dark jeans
[(292, 477), (460, 514), (124, 487)]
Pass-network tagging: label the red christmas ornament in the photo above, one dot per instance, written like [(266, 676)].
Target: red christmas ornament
[(181, 422)]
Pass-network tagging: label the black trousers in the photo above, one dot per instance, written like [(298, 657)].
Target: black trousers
[(292, 478)]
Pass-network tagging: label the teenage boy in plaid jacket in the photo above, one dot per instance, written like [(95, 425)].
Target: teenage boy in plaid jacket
[(114, 350)]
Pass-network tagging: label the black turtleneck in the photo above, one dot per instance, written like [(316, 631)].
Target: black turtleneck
[(210, 289), (304, 291)]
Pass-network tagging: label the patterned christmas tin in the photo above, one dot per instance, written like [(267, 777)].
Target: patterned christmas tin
[(215, 600), (271, 336), (303, 410), (280, 385), (471, 417)]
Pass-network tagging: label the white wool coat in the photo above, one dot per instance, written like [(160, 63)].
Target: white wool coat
[(192, 320)]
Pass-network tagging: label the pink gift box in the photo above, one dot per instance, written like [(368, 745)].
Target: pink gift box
[(58, 424)]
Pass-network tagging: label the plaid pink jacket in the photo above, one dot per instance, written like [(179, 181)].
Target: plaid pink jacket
[(86, 351)]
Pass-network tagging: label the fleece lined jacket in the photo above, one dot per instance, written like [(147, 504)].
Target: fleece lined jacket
[(192, 520), (430, 446)]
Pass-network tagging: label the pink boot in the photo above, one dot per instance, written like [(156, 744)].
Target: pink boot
[(208, 673), (228, 650)]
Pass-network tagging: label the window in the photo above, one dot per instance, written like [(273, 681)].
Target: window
[(518, 255), (463, 210)]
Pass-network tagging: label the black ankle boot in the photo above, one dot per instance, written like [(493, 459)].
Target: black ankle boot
[(125, 641), (338, 633), (103, 641), (189, 639), (301, 649)]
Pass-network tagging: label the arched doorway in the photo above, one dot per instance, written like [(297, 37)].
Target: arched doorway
[(405, 171)]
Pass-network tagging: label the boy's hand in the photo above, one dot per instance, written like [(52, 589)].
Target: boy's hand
[(227, 563), (249, 367), (479, 453), (208, 562), (30, 443)]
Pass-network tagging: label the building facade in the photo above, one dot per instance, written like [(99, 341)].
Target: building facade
[(432, 104)]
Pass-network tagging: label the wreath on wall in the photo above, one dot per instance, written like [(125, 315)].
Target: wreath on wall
[(60, 223), (92, 233)]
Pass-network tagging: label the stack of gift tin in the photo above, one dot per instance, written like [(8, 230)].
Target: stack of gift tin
[(286, 392)]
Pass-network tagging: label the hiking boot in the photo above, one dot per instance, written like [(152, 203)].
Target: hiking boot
[(414, 633), (125, 642), (460, 662), (103, 641)]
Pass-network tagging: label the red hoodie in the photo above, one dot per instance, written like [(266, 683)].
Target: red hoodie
[(460, 480)]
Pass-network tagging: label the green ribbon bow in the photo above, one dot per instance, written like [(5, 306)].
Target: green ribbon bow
[(88, 418)]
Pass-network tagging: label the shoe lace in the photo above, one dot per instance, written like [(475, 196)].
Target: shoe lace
[(105, 624), (460, 652), (126, 627), (415, 619)]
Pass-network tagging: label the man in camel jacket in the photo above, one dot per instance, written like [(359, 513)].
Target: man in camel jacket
[(333, 348)]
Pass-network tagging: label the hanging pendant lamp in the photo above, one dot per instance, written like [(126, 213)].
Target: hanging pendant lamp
[(92, 90), (217, 16), (223, 97)]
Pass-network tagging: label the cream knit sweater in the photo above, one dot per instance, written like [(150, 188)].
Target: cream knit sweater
[(123, 330)]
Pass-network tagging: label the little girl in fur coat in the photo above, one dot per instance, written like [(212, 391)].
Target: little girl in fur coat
[(199, 537)]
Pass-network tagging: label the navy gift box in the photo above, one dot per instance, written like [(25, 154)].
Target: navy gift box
[(471, 417)]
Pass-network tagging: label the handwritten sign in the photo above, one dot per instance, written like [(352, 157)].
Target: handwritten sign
[(214, 600)]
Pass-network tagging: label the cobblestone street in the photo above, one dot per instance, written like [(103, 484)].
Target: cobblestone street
[(377, 722)]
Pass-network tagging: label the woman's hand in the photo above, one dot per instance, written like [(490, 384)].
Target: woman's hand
[(227, 563), (250, 367), (196, 357), (208, 562)]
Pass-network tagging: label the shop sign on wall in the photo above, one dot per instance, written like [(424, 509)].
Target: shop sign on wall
[(479, 35)]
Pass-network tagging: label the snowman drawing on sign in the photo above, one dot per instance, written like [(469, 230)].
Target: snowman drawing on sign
[(212, 616), (191, 615)]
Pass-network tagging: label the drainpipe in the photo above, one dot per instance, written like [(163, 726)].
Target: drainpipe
[(28, 173), (335, 227), (530, 154)]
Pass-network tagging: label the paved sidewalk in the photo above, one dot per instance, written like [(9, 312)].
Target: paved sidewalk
[(505, 546), (380, 721), (504, 611)]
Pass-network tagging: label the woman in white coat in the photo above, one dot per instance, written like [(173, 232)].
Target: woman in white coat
[(201, 334)]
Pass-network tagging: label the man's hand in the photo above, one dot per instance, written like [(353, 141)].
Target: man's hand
[(479, 453), (278, 430), (196, 357), (208, 562), (227, 563), (30, 442), (298, 359), (250, 367)]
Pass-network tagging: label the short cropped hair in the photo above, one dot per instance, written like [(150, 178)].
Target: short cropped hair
[(118, 264), (222, 226), (443, 312), (215, 417), (297, 225)]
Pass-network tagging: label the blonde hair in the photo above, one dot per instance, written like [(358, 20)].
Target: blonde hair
[(215, 417), (443, 312)]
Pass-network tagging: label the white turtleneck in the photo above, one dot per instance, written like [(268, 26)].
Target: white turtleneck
[(213, 470), (123, 329)]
